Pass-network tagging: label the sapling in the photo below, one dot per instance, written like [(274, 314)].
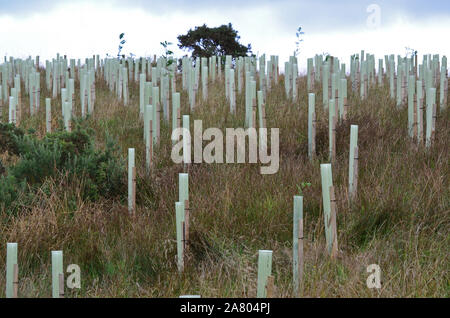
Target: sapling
[(121, 43), (298, 34), (302, 187)]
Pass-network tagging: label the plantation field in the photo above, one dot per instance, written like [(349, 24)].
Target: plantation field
[(68, 191)]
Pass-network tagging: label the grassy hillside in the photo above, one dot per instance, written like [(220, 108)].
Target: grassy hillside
[(400, 219)]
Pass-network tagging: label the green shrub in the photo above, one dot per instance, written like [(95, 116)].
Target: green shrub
[(101, 172), (10, 136), (2, 168), (10, 191)]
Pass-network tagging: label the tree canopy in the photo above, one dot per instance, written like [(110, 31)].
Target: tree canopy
[(205, 42)]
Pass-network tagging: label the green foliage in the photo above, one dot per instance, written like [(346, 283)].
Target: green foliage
[(2, 168), (101, 171), (37, 161), (377, 221), (298, 34), (168, 54), (10, 190), (10, 137), (302, 186), (205, 41), (121, 43)]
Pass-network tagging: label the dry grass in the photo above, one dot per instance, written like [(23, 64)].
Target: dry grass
[(400, 219)]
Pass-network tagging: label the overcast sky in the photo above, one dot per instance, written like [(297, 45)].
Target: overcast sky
[(341, 28)]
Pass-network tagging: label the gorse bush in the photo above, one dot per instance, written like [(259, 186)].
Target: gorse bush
[(101, 172), (2, 167), (10, 136)]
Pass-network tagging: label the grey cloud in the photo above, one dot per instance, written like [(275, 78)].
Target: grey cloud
[(316, 17), (25, 7), (313, 16)]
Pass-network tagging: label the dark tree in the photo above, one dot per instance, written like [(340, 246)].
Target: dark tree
[(205, 42)]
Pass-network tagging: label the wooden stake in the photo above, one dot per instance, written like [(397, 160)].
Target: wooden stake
[(420, 121), (92, 87), (15, 280), (355, 173), (61, 285), (157, 124), (395, 84), (254, 112), (332, 223), (445, 91), (336, 101), (178, 120), (19, 106), (263, 111), (433, 122), (270, 286), (404, 93), (186, 226), (334, 137), (366, 86), (415, 65), (313, 79), (344, 115), (184, 254), (18, 109), (313, 136), (150, 155), (415, 135), (233, 92)]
